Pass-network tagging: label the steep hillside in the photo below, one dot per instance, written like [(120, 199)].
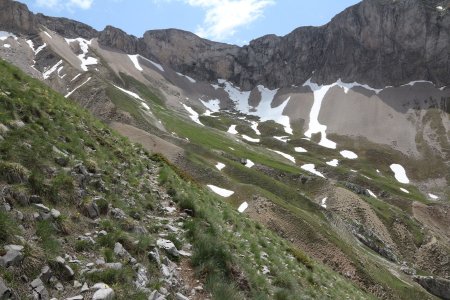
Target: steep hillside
[(80, 205)]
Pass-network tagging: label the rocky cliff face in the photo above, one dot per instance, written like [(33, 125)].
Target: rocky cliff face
[(376, 42)]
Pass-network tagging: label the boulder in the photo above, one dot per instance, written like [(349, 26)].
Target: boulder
[(61, 269), (102, 292), (11, 258), (180, 296), (5, 292), (168, 246)]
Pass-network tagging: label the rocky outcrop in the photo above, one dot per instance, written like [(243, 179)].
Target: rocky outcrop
[(16, 17), (66, 27), (118, 39), (439, 287)]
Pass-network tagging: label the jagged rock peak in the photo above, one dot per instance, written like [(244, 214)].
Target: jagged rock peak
[(116, 38)]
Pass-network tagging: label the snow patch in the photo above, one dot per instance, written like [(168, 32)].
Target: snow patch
[(4, 35), (250, 139), (193, 114), (319, 92), (255, 128), (349, 154), (287, 156), (7, 45), (220, 166), (312, 169), (134, 59), (158, 66), (400, 173), (300, 150), (39, 49), (249, 164), (283, 139), (145, 106), (324, 203), (52, 69), (187, 77), (404, 190), (243, 207), (264, 110), (48, 34), (212, 105), (76, 77), (134, 95), (349, 86), (434, 197), (232, 129), (372, 194), (220, 191), (333, 163), (84, 46), (70, 93)]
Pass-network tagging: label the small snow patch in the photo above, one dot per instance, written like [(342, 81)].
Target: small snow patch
[(300, 150), (7, 45), (4, 35), (220, 191), (372, 194), (212, 105), (193, 114), (324, 203), (349, 154), (84, 46), (71, 92), (220, 166), (39, 49), (249, 163), (243, 207), (333, 163), (134, 95), (434, 197), (247, 138), (52, 69), (158, 66), (312, 169), (187, 77), (232, 129), (283, 139), (255, 128), (400, 173), (134, 59), (287, 156), (48, 34), (404, 190)]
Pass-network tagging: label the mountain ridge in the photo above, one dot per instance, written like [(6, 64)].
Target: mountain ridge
[(406, 32)]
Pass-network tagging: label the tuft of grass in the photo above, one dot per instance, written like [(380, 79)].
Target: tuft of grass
[(46, 233), (8, 228), (112, 276), (13, 173)]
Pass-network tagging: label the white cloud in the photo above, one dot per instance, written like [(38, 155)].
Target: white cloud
[(83, 4), (58, 4), (224, 17)]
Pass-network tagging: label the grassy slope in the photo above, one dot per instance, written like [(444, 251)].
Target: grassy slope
[(227, 246), (205, 147)]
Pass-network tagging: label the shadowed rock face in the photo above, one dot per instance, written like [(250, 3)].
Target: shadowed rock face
[(377, 42)]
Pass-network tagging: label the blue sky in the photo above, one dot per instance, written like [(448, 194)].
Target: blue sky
[(230, 21)]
